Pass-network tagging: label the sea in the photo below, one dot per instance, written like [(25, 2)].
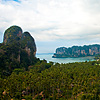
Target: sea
[(48, 57)]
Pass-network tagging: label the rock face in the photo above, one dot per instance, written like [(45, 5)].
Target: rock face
[(14, 34), (28, 43), (77, 51), (17, 50)]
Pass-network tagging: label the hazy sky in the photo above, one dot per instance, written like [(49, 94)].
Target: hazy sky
[(53, 23)]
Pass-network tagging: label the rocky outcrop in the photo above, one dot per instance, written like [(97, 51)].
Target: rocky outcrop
[(17, 50), (14, 33), (77, 51), (26, 41)]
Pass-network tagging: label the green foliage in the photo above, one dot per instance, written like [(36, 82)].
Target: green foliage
[(13, 56), (23, 76), (44, 80)]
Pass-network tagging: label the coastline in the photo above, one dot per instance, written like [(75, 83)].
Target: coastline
[(48, 57)]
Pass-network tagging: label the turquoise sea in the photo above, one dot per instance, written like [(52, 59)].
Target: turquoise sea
[(48, 57)]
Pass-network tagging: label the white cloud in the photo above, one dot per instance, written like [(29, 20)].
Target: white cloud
[(52, 19)]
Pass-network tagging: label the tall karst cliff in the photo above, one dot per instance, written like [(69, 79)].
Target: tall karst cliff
[(15, 34), (17, 50), (28, 43)]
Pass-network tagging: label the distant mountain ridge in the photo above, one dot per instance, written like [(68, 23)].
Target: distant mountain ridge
[(77, 51)]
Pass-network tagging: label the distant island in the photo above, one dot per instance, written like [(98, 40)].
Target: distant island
[(77, 51)]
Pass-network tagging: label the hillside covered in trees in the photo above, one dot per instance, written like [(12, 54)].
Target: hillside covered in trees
[(45, 81), (25, 77), (77, 51)]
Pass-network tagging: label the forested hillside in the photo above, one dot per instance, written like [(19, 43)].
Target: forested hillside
[(45, 81)]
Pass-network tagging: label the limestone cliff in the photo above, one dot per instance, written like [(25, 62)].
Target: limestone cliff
[(17, 50), (26, 41), (77, 51)]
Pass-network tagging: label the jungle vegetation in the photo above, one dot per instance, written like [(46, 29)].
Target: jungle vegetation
[(49, 81)]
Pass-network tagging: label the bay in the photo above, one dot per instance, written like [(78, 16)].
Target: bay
[(48, 57)]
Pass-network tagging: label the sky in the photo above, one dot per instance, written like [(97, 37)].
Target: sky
[(53, 23)]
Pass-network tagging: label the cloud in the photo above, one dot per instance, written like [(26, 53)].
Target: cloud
[(52, 19)]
